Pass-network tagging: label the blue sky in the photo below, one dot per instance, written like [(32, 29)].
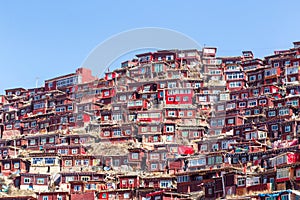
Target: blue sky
[(49, 38)]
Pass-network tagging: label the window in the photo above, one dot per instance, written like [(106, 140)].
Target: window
[(298, 173), (235, 84), (230, 121), (190, 114), (259, 77), (135, 155), (79, 117), (49, 161), (218, 132), (33, 124), (154, 129), (126, 196), (123, 98), (169, 57), (117, 132), (74, 151), (68, 162), (77, 187), (231, 67), (204, 147), (77, 162), (169, 128), (151, 184), (271, 113), (170, 98), (181, 114), (270, 72), (215, 147), (16, 165), (116, 163), (196, 134), (60, 109), (213, 123), (255, 92), (252, 181), (285, 197), (51, 140), (294, 103), (45, 197), (220, 122), (153, 166), (85, 178), (128, 132), (69, 178), (283, 112), (165, 184), (181, 179), (131, 181), (171, 113), (27, 180), (244, 95), (252, 103), (235, 76), (32, 142), (263, 101), (211, 160), (274, 127), (185, 99), (220, 107), (248, 112), (242, 104), (219, 159), (252, 78), (177, 99), (63, 151), (172, 85), (106, 133), (262, 135), (38, 106), (241, 182), (70, 107), (124, 182), (40, 181), (37, 161), (43, 141), (282, 173), (144, 129), (287, 128), (85, 162)]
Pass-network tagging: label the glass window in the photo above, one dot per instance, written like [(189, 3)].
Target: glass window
[(40, 181)]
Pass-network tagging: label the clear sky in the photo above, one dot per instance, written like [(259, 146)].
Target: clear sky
[(49, 38)]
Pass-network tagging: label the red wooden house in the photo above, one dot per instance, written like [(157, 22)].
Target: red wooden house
[(128, 181), (31, 181), (55, 195), (13, 166)]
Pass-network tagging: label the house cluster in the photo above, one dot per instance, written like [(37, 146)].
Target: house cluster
[(170, 124)]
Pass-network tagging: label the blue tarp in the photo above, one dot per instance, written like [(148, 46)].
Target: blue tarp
[(275, 194)]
